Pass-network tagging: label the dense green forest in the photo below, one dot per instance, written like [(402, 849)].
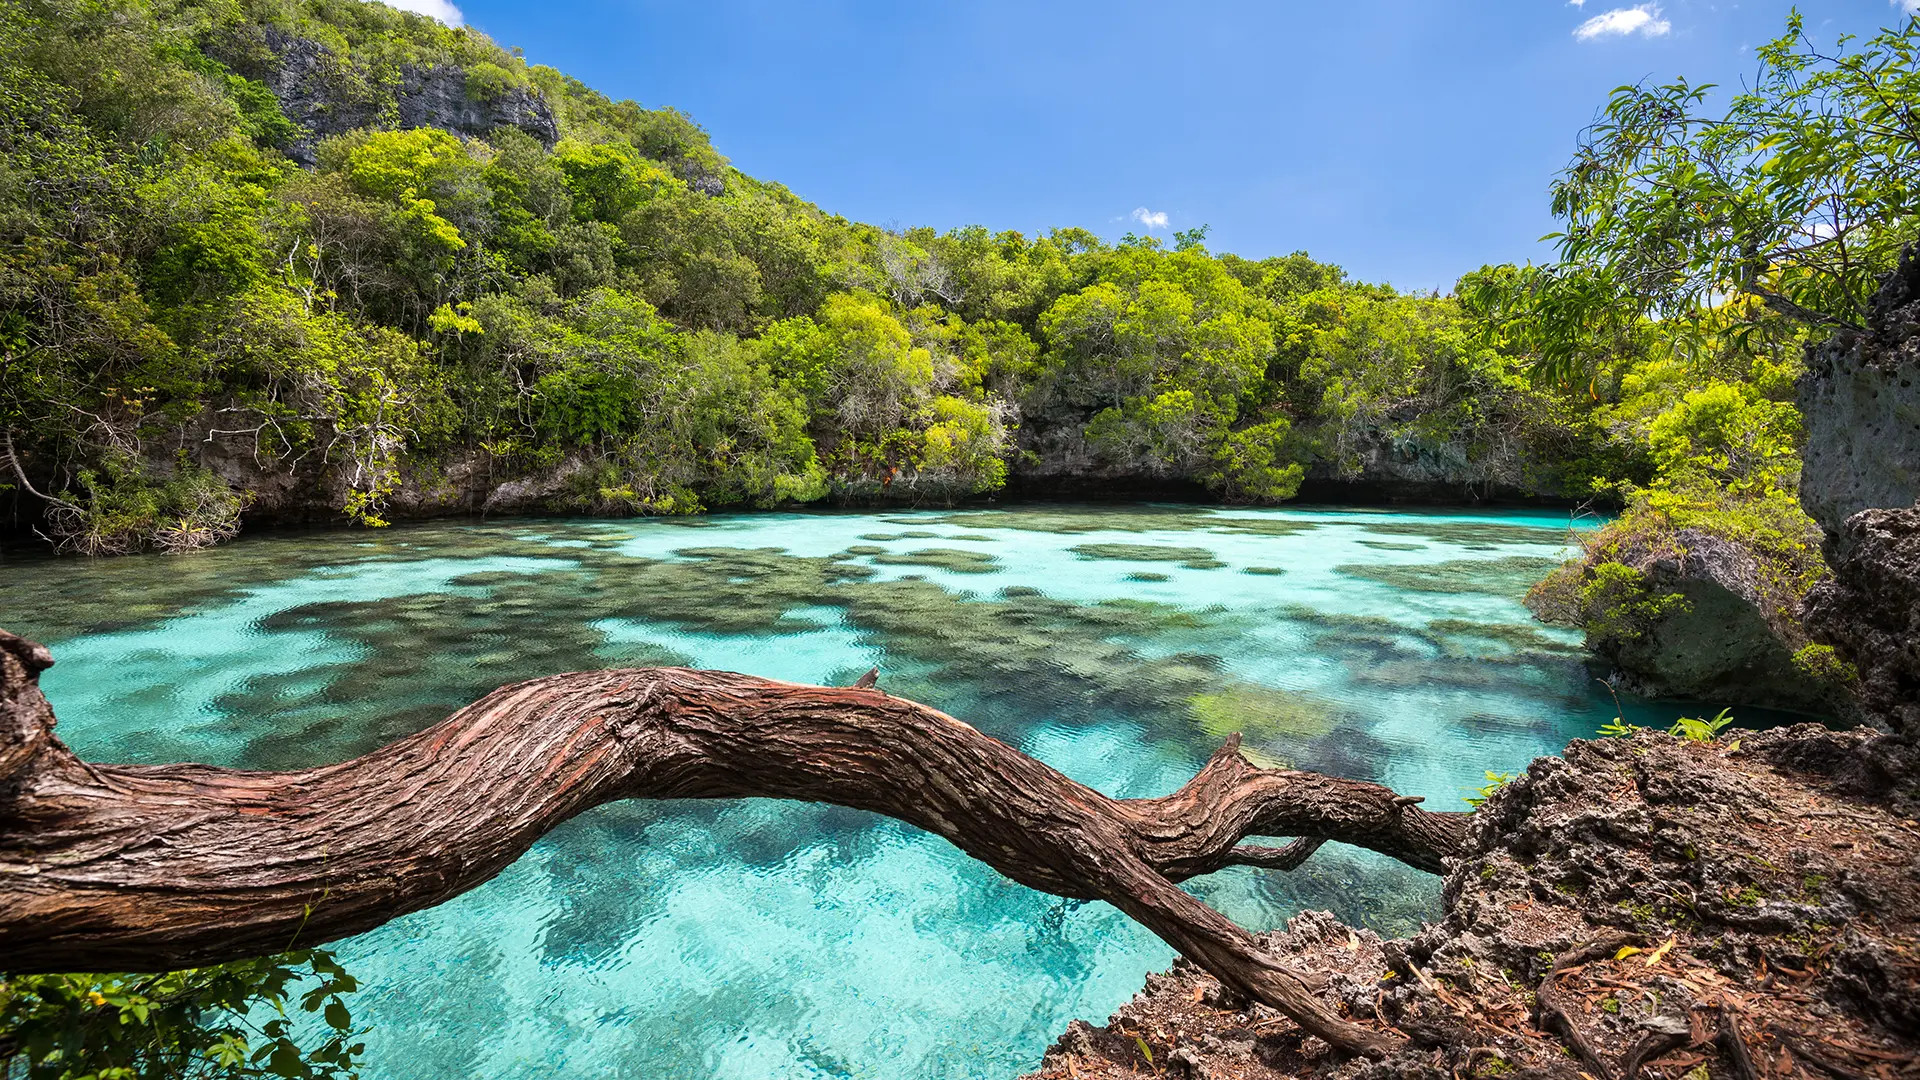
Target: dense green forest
[(586, 292)]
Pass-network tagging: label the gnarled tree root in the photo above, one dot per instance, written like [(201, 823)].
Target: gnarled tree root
[(116, 867)]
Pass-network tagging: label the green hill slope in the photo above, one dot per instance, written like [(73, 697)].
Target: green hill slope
[(314, 258)]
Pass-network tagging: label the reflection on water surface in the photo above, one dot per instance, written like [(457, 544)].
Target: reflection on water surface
[(757, 939)]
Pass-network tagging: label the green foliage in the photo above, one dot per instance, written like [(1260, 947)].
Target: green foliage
[(232, 1020), (121, 508), (1252, 464), (1729, 436), (1798, 194), (657, 331), (1618, 726), (487, 81), (1697, 729), (1620, 603), (1821, 662), (1495, 781), (965, 441)]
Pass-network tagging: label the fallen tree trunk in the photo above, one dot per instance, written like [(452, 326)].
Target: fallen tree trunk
[(119, 868)]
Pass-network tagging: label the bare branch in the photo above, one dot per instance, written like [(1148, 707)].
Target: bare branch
[(149, 867)]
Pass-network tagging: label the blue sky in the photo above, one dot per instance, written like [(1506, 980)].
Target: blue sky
[(1408, 142)]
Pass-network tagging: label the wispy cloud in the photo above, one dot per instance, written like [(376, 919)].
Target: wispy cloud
[(1911, 7), (1644, 20), (436, 9), (1583, 3), (1157, 219)]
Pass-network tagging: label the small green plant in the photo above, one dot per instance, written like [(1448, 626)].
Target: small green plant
[(1495, 781), (1823, 663), (1618, 725), (1695, 729), (1622, 603), (1146, 1052)]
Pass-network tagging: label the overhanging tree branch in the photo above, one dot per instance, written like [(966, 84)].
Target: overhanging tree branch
[(151, 867), (20, 472)]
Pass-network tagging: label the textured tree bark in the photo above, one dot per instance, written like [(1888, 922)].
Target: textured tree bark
[(118, 868)]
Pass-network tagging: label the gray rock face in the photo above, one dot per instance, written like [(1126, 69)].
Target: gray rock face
[(305, 78), (1384, 465), (1861, 403), (1861, 398), (1056, 459), (1870, 611), (1720, 647)]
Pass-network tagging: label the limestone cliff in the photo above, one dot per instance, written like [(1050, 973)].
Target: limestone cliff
[(1870, 611), (1723, 639), (1861, 399), (316, 90)]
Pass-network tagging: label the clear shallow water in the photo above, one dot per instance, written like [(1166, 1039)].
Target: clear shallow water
[(758, 939)]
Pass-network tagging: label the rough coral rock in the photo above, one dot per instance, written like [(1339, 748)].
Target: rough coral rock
[(1860, 400), (1642, 905), (1725, 642), (1870, 611)]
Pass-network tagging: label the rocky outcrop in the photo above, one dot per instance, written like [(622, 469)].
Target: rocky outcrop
[(1870, 611), (1646, 901), (307, 79), (1380, 465), (1056, 459), (1698, 617), (1860, 401)]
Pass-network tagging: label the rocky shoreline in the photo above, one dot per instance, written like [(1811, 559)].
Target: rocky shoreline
[(1639, 906)]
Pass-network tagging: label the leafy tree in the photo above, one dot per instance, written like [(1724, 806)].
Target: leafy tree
[(1800, 194)]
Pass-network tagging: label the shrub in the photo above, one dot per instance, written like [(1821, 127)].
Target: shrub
[(488, 81), (123, 509), (227, 1020)]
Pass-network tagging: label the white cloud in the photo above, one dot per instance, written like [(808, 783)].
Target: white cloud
[(1152, 219), (1583, 3), (1644, 20), (437, 9), (1911, 7)]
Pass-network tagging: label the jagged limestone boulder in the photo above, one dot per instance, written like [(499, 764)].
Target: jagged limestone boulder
[(1870, 611), (1688, 615), (1860, 401)]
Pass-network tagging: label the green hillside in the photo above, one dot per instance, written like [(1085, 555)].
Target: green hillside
[(582, 295)]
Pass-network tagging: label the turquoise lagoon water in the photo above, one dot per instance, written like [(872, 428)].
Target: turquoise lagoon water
[(755, 939)]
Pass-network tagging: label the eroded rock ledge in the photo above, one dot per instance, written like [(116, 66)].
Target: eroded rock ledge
[(1771, 886)]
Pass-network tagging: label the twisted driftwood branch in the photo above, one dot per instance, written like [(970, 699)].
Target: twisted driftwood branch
[(123, 867)]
